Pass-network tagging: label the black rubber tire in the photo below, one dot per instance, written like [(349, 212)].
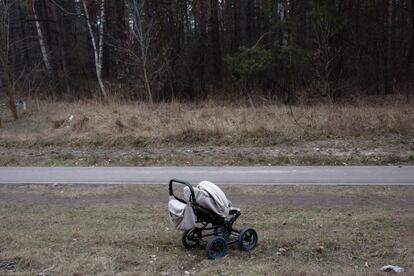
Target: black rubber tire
[(216, 248), (247, 239), (191, 238)]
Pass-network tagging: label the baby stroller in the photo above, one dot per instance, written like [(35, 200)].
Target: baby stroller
[(205, 212)]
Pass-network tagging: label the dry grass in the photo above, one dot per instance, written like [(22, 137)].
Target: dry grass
[(325, 231), (139, 134), (139, 124)]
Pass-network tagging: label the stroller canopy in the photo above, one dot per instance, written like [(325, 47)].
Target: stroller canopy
[(207, 195), (211, 197)]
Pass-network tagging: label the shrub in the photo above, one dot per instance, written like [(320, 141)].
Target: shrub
[(247, 62)]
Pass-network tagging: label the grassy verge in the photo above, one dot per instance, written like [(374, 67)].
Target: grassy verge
[(138, 125), (130, 134), (124, 230)]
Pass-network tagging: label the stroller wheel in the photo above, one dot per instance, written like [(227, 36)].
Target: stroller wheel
[(191, 238), (247, 239), (216, 248)]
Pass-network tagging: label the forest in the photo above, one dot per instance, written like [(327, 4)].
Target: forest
[(162, 50)]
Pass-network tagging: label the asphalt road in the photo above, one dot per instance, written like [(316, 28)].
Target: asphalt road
[(353, 175)]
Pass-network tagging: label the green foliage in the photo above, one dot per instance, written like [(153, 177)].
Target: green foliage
[(247, 62), (291, 54)]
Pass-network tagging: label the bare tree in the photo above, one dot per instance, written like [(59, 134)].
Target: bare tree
[(143, 35), (97, 43), (410, 54), (214, 41), (5, 43), (43, 32), (284, 11), (41, 37), (387, 69), (326, 56)]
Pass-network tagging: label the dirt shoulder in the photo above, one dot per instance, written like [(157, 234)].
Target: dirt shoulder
[(357, 151)]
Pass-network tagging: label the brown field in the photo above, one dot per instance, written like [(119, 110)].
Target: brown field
[(89, 133), (124, 230)]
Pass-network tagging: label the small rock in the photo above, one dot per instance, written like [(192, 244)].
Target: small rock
[(319, 249), (366, 264), (281, 251), (392, 268), (187, 272), (164, 273), (375, 254)]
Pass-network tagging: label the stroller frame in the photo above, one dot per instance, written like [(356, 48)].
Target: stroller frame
[(221, 229)]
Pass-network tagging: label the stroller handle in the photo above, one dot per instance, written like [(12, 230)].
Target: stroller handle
[(186, 183)]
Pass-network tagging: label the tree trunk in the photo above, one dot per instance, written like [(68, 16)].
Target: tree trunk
[(41, 38), (200, 10), (243, 21), (143, 38), (410, 55), (23, 32), (62, 52), (4, 56), (147, 83), (236, 26), (387, 71), (287, 42), (97, 50), (8, 85), (250, 23), (215, 46)]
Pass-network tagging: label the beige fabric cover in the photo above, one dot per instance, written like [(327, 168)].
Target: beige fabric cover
[(218, 196), (211, 197), (181, 215)]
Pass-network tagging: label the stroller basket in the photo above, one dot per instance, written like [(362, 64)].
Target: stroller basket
[(205, 212)]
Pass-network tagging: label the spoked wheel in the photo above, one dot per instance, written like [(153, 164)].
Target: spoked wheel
[(216, 248), (247, 239), (191, 238)]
